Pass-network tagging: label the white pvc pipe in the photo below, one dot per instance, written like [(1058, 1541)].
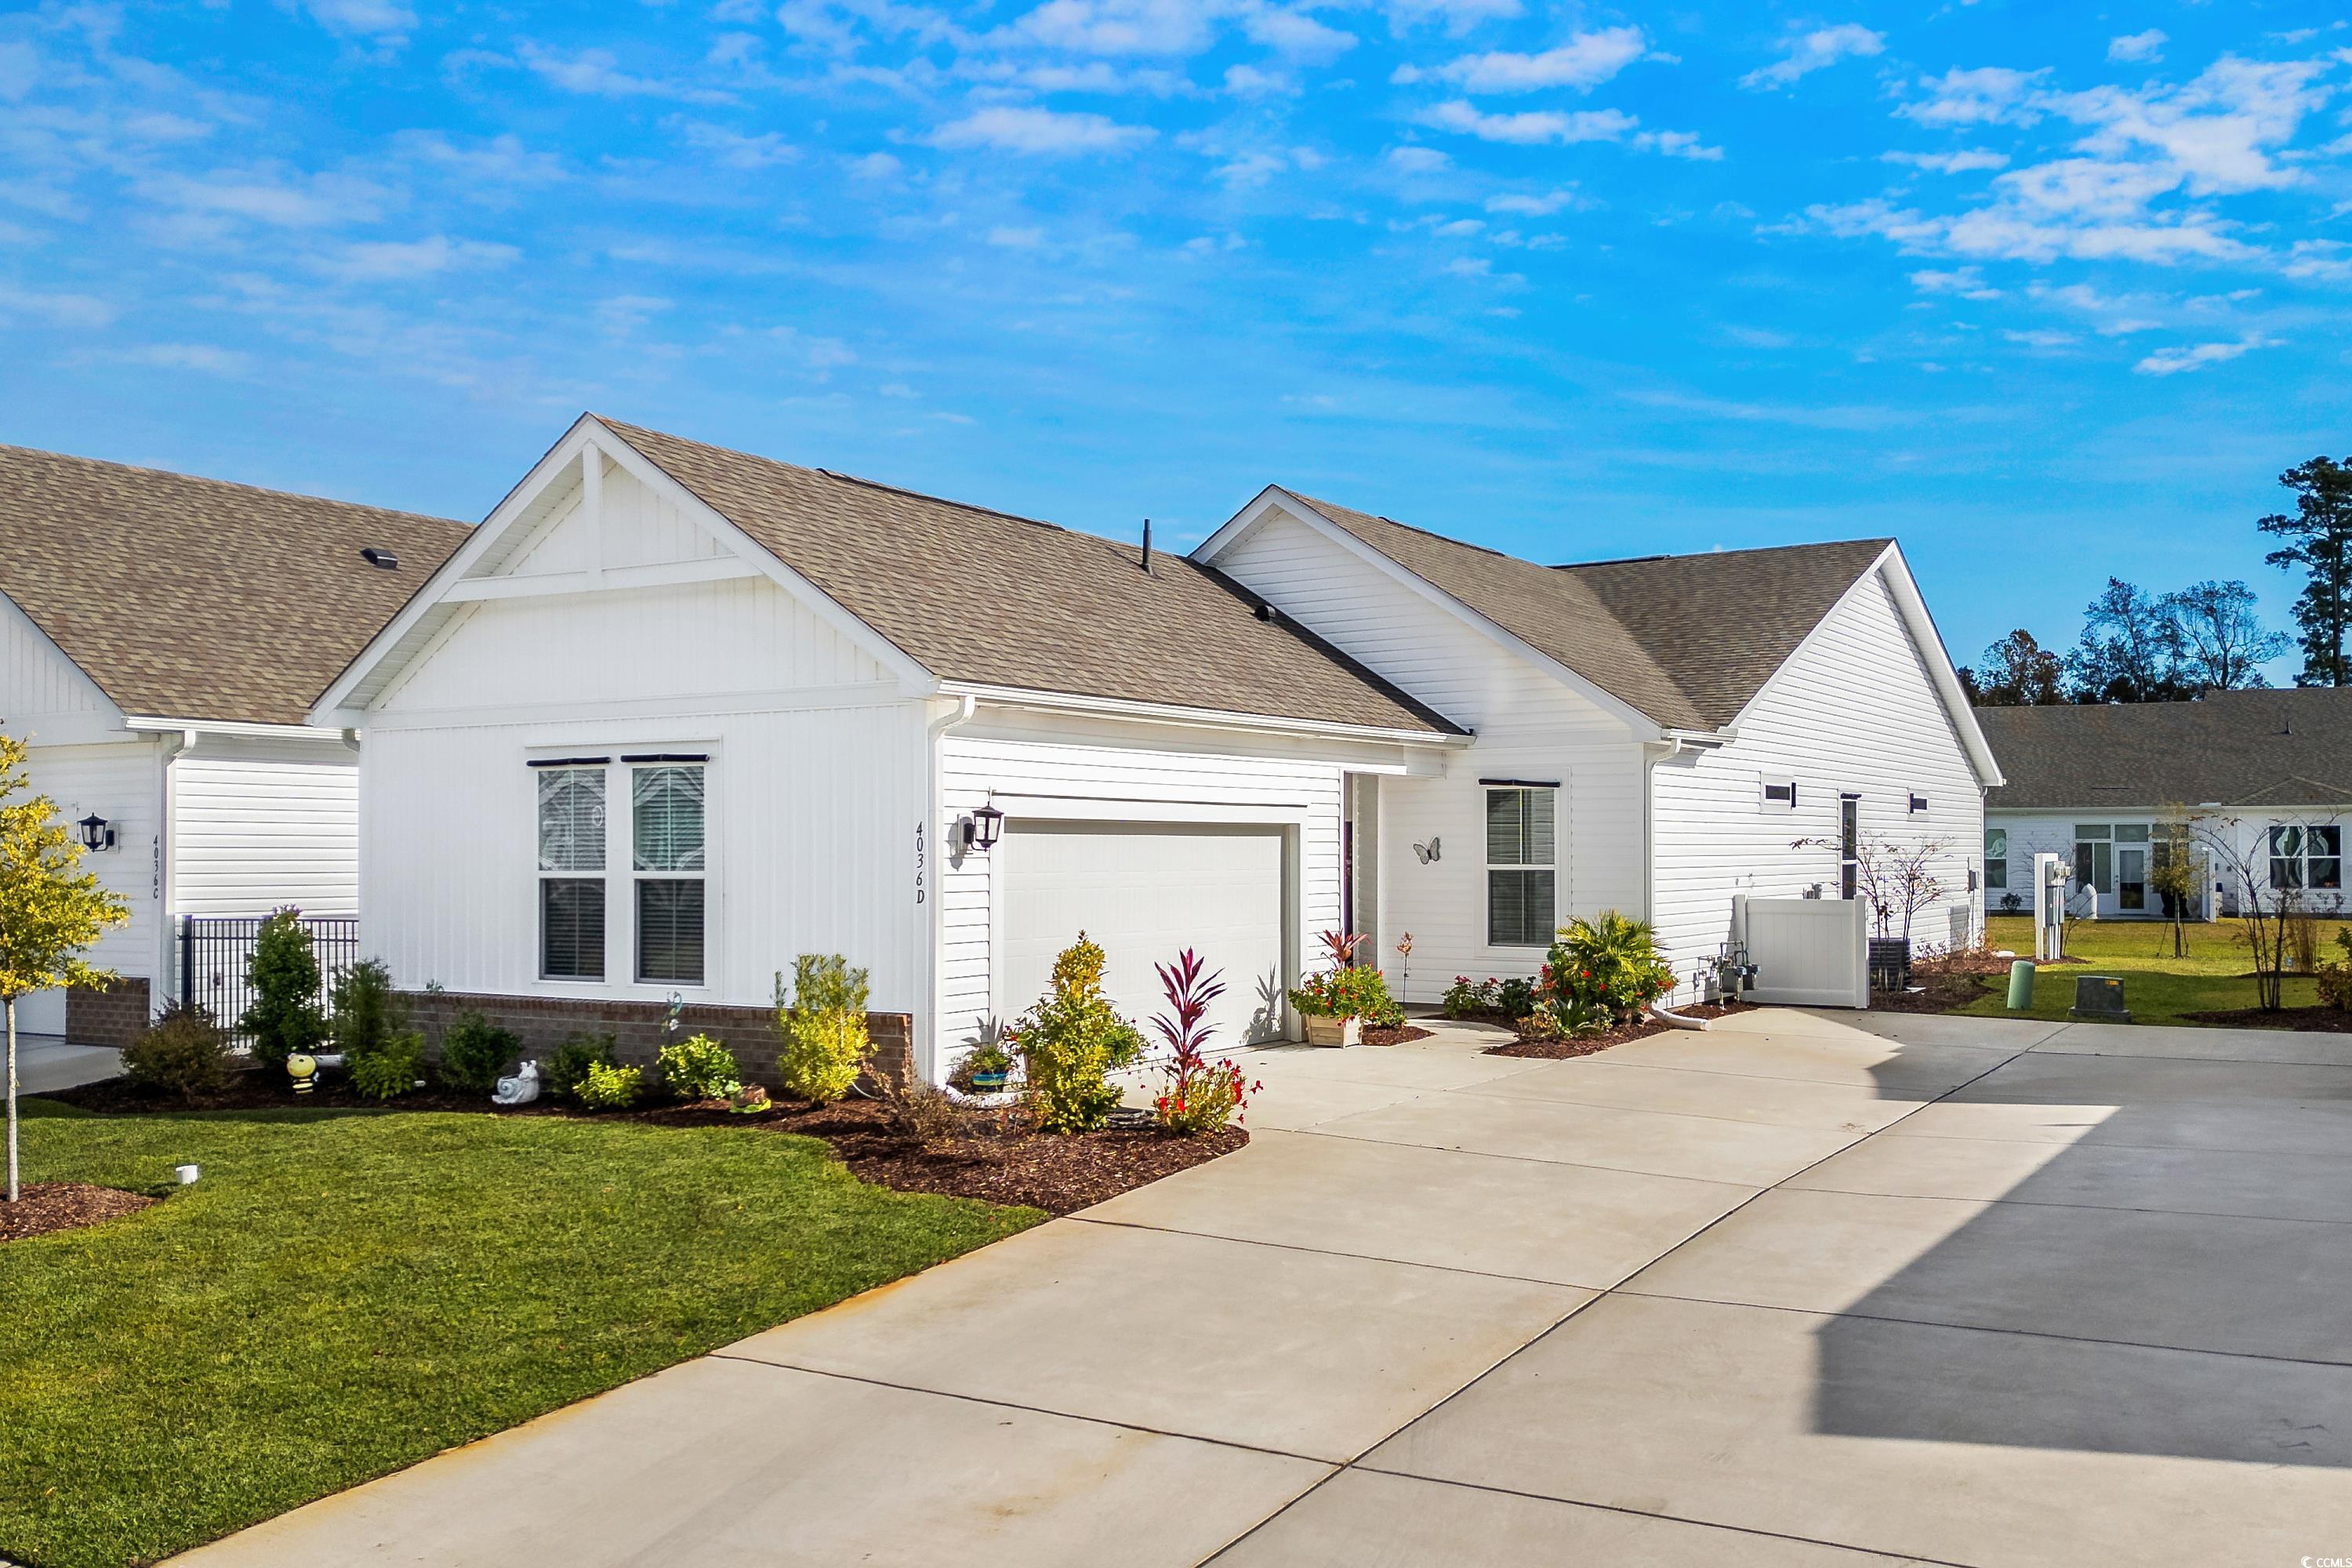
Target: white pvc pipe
[(1678, 1020)]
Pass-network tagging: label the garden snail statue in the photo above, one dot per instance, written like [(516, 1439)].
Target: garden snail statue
[(520, 1090)]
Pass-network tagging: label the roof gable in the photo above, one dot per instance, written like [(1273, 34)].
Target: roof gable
[(1687, 641), (192, 598)]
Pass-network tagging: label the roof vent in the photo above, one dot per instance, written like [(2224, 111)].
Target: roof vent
[(1266, 612), (381, 559)]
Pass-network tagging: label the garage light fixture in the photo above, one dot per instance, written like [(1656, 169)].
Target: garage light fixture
[(97, 833), (981, 829)]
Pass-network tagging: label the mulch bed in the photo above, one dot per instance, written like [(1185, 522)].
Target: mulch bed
[(1586, 1045), (45, 1208), (2334, 1020), (1396, 1037), (1003, 1161)]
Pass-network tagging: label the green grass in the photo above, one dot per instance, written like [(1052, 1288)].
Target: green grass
[(2157, 988), (345, 1294)]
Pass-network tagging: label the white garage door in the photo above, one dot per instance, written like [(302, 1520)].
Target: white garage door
[(1145, 892)]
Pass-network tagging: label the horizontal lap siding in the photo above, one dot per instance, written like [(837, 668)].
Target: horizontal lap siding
[(976, 763), (252, 833), (1854, 709), (1528, 724)]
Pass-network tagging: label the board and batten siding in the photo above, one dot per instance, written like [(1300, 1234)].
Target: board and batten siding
[(1528, 725), (121, 781), (37, 681), (1120, 771), (258, 828), (1853, 711)]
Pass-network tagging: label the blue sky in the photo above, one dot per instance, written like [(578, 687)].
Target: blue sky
[(2048, 291)]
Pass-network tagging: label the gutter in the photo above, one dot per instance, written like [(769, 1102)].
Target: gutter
[(1205, 718), (237, 728)]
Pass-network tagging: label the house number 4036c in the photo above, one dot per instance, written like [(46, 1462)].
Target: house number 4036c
[(922, 862)]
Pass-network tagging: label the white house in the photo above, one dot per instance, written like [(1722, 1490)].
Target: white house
[(2268, 772), (161, 639), (673, 714)]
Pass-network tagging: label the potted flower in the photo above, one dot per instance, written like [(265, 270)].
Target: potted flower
[(988, 1066), (1337, 1002)]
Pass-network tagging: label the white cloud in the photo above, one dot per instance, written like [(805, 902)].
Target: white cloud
[(1678, 144), (1533, 206), (385, 262), (1010, 238), (2323, 259), (1808, 52), (1297, 35), (618, 315), (271, 195), (1039, 132), (597, 73), (1418, 160), (2041, 338), (1172, 27), (2087, 187), (503, 159), (20, 66), (2174, 360), (1584, 62), (2217, 130), (1532, 126), (876, 166), (2002, 233), (1961, 162), (55, 310), (2147, 46), (734, 150), (1985, 96), (1253, 82), (1456, 17), (203, 357), (386, 20), (1968, 282)]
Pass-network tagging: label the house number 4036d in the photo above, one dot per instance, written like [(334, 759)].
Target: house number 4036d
[(922, 861)]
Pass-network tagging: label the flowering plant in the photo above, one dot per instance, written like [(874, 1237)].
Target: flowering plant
[(1604, 969), (1200, 1096)]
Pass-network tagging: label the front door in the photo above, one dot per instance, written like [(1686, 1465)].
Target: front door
[(2131, 880)]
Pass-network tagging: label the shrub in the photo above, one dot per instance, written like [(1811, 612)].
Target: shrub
[(1202, 1102), (573, 1058), (1516, 997), (391, 1067), (929, 1114), (285, 1016), (699, 1067), (476, 1052), (1465, 997), (824, 1027), (1200, 1095), (1071, 1042), (1345, 993), (608, 1088), (1609, 966), (2336, 978), (184, 1052), (367, 1012)]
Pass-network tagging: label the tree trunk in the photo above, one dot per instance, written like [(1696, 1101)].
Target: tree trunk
[(10, 1003)]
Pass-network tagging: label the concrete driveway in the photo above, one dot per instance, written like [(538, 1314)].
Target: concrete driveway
[(1805, 1288)]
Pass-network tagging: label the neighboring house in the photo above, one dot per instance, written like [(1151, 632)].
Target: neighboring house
[(161, 640), (2268, 772), (675, 714)]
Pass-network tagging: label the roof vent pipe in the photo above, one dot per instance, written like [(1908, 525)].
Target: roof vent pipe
[(1147, 544)]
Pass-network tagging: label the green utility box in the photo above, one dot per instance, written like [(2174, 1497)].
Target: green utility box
[(2021, 984)]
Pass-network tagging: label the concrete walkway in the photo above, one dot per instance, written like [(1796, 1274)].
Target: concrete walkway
[(45, 1063), (1806, 1289)]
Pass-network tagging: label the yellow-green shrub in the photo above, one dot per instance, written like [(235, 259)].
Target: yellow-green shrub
[(824, 1027)]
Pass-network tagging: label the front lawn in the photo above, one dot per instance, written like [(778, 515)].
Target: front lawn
[(346, 1293), (2157, 988)]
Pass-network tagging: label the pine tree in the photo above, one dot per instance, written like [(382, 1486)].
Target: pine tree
[(2321, 528)]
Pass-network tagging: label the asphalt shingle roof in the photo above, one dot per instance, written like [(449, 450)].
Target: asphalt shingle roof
[(1686, 640), (2288, 747), (992, 599), (192, 598)]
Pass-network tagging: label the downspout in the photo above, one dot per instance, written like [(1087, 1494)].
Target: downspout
[(167, 966), (926, 1040)]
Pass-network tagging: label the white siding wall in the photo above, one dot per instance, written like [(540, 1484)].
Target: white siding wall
[(1528, 726), (813, 820), (258, 826), (1853, 711), (2032, 832), (44, 696), (122, 782), (1128, 768)]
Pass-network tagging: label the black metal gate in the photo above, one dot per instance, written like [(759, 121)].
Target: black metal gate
[(217, 960)]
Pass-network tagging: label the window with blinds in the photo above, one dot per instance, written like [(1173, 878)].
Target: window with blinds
[(1521, 871), (570, 867), (666, 821)]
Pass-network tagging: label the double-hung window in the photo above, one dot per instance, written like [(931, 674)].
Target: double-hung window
[(666, 815), (1522, 874), (572, 871), (2307, 857)]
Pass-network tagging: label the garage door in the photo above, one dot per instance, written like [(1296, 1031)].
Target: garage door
[(1145, 892)]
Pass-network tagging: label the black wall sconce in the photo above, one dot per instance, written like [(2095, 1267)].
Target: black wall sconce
[(97, 833), (981, 829)]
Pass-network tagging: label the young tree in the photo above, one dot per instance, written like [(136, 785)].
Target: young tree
[(2130, 648), (49, 913), (2240, 854), (2177, 875), (2223, 643), (2321, 534), (2018, 672), (1897, 879)]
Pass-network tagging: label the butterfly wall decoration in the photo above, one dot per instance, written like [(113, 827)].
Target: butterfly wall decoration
[(1429, 851)]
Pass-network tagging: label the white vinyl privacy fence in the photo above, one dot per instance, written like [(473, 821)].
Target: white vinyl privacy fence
[(1808, 952)]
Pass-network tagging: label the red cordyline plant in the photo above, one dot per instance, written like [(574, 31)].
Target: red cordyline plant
[(1200, 1095), (1339, 947)]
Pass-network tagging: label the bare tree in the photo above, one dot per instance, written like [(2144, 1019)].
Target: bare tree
[(2240, 852), (2223, 640), (2176, 873), (1895, 878)]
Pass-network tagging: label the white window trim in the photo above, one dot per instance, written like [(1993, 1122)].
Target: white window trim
[(629, 772), (2303, 856), (619, 983), (1487, 887)]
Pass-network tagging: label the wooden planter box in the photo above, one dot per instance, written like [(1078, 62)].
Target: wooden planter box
[(1335, 1031)]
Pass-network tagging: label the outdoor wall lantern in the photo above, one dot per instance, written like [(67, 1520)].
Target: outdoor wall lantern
[(979, 829), (97, 833)]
